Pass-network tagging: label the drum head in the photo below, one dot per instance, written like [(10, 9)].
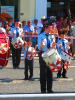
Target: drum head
[(51, 56), (17, 43), (48, 53)]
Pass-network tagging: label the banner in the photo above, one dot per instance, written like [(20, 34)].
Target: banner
[(8, 9)]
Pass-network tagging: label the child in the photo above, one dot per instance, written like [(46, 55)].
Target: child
[(28, 55), (63, 45)]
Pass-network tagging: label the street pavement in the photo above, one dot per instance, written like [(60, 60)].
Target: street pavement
[(11, 80)]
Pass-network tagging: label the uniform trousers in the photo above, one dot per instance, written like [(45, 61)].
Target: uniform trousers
[(46, 77), (28, 67), (62, 72), (16, 57)]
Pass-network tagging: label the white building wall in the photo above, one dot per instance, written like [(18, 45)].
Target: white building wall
[(30, 9), (41, 8), (27, 9)]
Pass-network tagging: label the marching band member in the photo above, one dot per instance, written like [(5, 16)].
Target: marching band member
[(28, 55), (16, 52), (73, 34), (44, 42), (62, 44)]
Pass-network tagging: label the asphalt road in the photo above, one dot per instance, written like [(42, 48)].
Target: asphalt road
[(11, 80)]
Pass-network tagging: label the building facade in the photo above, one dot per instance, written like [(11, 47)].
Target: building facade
[(30, 9)]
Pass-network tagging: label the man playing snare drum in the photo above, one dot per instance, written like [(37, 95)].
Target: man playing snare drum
[(44, 43), (16, 52)]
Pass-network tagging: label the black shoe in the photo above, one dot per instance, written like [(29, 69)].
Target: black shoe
[(64, 77), (31, 79), (50, 91), (43, 91), (26, 79), (14, 67), (17, 67), (58, 76)]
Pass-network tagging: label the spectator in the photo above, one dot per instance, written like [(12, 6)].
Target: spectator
[(23, 23), (29, 30)]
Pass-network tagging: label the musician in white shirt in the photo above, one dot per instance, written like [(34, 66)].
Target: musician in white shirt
[(28, 60), (45, 42), (16, 32)]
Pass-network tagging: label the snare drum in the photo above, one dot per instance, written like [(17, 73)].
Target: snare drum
[(17, 43), (66, 56), (56, 66), (50, 56)]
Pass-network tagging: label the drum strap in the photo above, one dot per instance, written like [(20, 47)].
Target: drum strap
[(26, 52), (63, 43), (17, 33), (48, 42)]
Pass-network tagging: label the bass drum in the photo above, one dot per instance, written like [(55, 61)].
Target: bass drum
[(4, 49)]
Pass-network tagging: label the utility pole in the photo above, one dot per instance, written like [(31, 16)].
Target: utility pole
[(68, 9)]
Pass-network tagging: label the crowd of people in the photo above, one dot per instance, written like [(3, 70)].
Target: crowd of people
[(41, 36)]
